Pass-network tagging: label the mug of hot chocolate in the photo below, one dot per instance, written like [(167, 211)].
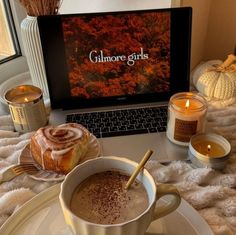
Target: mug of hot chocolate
[(95, 200)]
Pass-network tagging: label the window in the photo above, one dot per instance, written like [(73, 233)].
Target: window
[(12, 61), (9, 46)]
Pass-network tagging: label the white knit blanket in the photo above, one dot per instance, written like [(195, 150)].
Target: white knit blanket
[(212, 193)]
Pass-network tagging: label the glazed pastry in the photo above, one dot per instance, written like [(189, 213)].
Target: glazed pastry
[(60, 148)]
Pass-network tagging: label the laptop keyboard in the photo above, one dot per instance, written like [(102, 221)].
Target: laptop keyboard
[(123, 122)]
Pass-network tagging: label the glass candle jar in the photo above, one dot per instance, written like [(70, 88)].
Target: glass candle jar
[(186, 117), (26, 107)]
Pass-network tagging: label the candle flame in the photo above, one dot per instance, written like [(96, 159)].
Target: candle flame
[(26, 100), (208, 147), (187, 104)]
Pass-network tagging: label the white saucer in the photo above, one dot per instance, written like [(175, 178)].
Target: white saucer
[(20, 79), (43, 215), (45, 175)]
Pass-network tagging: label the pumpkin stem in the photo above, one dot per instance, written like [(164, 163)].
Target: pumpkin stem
[(230, 60)]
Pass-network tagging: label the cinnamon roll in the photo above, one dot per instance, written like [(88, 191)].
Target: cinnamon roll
[(60, 148)]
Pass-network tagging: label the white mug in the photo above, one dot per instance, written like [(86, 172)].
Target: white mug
[(137, 225)]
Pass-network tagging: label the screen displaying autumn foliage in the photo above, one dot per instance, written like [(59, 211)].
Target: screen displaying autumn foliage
[(117, 54)]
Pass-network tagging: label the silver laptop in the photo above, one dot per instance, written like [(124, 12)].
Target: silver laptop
[(99, 64)]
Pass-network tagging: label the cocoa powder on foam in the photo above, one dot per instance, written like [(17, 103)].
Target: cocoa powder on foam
[(102, 198)]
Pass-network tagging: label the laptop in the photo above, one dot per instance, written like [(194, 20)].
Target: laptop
[(113, 63)]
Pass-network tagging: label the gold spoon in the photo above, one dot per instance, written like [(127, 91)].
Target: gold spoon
[(138, 168)]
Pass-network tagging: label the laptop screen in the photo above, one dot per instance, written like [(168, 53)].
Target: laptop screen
[(99, 59)]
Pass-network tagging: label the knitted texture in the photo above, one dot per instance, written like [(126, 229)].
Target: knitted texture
[(212, 193), (213, 83)]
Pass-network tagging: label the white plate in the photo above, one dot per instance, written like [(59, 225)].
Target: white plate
[(44, 175), (43, 215), (21, 79)]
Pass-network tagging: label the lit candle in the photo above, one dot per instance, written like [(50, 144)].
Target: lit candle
[(186, 117), (26, 107), (24, 98), (209, 150)]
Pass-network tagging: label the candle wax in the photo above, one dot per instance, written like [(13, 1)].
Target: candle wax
[(24, 98), (216, 150), (193, 104)]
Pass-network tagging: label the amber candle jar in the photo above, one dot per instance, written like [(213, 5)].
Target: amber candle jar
[(186, 117)]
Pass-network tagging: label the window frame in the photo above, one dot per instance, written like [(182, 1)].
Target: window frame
[(19, 63), (12, 32)]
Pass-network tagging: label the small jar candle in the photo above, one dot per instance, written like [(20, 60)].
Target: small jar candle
[(186, 117), (210, 150), (26, 107)]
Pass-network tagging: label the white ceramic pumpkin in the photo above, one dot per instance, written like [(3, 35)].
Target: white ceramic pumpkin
[(216, 79)]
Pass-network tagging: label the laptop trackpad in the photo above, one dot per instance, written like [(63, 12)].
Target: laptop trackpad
[(135, 146)]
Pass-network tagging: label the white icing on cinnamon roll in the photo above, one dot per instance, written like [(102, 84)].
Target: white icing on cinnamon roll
[(60, 148), (58, 140)]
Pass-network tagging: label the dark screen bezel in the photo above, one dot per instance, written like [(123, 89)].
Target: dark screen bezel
[(50, 29)]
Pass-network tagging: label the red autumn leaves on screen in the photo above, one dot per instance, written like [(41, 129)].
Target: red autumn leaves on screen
[(118, 38)]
